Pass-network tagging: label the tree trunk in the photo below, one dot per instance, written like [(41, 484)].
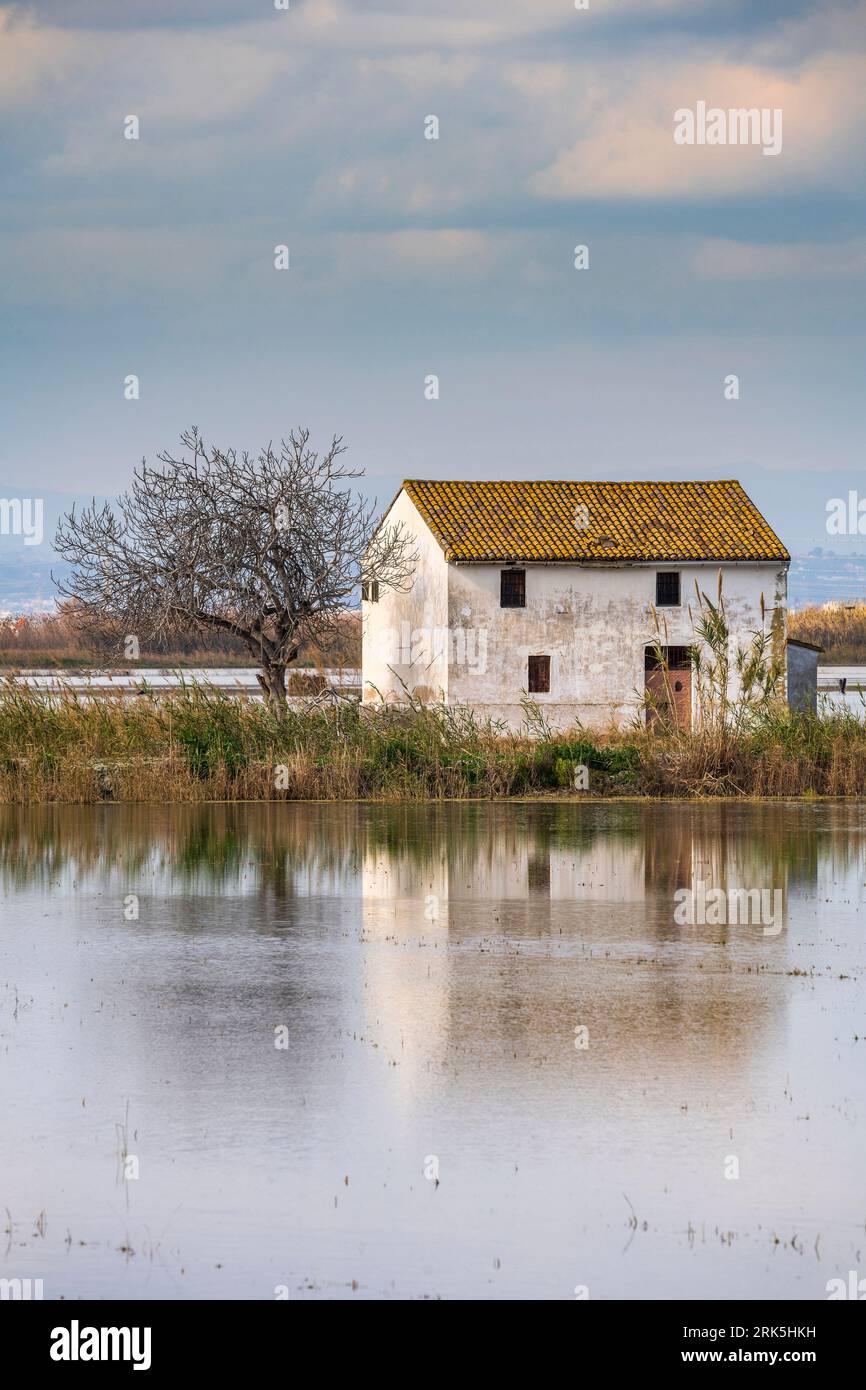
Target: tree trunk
[(272, 679)]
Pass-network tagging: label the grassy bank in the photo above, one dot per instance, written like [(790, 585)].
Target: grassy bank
[(201, 746)]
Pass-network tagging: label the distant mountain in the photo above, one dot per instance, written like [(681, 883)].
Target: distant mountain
[(26, 586), (25, 570), (822, 578)]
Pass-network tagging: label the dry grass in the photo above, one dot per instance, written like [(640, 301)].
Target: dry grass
[(840, 630), (58, 640), (202, 745), (781, 755)]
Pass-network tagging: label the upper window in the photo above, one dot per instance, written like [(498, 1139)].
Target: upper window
[(539, 675), (512, 592), (668, 589), (370, 590)]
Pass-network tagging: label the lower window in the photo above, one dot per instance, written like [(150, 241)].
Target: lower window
[(539, 675)]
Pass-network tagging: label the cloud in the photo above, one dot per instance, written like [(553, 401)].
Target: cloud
[(342, 94), (86, 267), (307, 128), (626, 148), (464, 253), (390, 25), (30, 60), (717, 259), (108, 14)]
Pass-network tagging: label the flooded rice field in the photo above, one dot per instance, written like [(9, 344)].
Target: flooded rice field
[(458, 1051)]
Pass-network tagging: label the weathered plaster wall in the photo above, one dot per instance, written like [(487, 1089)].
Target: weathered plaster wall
[(403, 632), (594, 624), (802, 678)]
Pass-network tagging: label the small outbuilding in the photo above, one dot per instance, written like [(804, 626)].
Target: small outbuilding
[(803, 675)]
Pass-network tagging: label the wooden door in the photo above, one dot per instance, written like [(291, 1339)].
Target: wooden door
[(669, 689)]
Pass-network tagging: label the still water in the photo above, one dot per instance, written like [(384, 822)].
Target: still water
[(240, 1044)]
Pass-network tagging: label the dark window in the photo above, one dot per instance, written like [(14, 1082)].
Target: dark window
[(370, 590), (539, 675), (674, 658), (512, 592), (668, 590)]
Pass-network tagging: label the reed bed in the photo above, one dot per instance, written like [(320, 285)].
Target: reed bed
[(839, 628), (204, 745), (61, 641)]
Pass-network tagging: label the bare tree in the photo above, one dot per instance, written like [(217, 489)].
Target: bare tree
[(269, 548)]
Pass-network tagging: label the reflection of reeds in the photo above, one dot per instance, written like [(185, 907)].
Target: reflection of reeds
[(280, 852), (122, 1131), (203, 745)]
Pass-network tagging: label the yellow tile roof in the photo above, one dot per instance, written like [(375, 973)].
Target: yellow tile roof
[(562, 520)]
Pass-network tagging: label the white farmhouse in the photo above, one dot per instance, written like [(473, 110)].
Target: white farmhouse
[(557, 591)]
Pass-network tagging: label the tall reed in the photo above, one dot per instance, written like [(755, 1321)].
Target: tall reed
[(205, 745)]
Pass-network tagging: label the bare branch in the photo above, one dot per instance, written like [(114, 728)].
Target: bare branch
[(270, 548)]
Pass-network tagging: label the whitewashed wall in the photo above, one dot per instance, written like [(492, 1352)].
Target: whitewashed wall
[(411, 622), (595, 625)]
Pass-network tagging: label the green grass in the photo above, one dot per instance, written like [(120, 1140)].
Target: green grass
[(202, 744)]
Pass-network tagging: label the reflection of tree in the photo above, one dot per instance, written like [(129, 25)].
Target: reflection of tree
[(193, 849)]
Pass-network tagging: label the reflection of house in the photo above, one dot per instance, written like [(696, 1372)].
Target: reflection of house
[(661, 852), (484, 950), (553, 590), (606, 872)]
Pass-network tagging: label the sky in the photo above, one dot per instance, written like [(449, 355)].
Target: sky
[(411, 257)]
